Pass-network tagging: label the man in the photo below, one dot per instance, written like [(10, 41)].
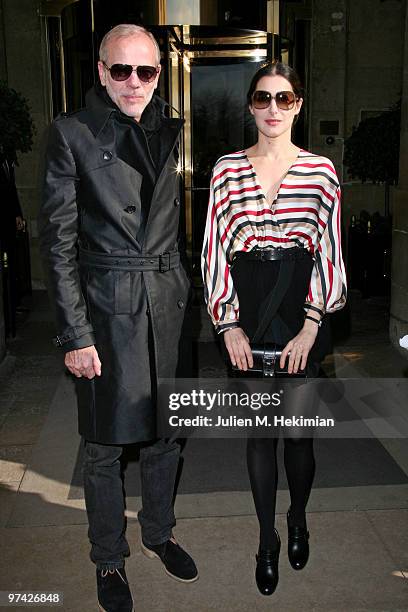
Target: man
[(109, 225)]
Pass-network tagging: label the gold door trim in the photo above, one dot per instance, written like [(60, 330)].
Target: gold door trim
[(244, 53), (255, 39), (162, 12)]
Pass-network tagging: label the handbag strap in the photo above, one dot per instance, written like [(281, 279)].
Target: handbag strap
[(286, 269)]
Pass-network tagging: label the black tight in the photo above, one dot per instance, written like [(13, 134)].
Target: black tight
[(263, 475)]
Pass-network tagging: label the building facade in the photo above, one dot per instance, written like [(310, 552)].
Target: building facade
[(352, 57)]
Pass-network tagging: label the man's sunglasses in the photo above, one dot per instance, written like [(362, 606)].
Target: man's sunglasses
[(285, 100), (121, 72)]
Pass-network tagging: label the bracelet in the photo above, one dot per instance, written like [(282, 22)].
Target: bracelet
[(226, 327), (318, 323)]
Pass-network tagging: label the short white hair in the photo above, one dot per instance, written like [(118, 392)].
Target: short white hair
[(125, 30)]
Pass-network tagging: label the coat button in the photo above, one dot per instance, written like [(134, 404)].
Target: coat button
[(176, 201), (130, 209), (180, 304), (107, 155)]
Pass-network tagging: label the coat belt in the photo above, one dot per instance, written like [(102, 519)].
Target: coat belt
[(142, 263)]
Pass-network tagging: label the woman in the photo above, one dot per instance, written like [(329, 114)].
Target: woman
[(272, 203)]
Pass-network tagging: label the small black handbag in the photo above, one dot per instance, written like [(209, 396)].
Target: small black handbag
[(266, 355), (266, 359)]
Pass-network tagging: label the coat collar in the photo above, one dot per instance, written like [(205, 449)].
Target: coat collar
[(100, 109)]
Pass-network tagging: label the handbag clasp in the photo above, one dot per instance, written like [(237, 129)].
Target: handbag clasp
[(268, 362)]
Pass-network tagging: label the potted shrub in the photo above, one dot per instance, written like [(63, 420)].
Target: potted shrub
[(371, 153), (16, 124)]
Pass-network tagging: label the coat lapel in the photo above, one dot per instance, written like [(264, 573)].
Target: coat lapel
[(120, 137), (170, 130)]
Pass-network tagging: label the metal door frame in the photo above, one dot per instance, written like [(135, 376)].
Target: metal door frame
[(187, 45)]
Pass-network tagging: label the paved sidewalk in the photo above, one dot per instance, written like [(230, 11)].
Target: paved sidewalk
[(359, 534)]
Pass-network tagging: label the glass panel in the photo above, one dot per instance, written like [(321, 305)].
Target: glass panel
[(183, 11), (80, 68), (221, 123)]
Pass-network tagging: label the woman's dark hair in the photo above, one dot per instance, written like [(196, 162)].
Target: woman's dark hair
[(272, 68)]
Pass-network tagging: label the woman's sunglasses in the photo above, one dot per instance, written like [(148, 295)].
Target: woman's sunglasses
[(121, 72), (285, 100)]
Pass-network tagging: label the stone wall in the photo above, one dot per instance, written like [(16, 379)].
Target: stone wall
[(356, 66), (399, 279), (27, 71), (23, 65), (357, 54), (360, 63), (3, 77), (2, 328)]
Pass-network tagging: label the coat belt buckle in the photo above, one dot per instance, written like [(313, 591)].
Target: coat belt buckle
[(164, 262)]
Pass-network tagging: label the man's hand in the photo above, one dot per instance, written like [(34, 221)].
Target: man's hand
[(299, 347), (84, 362), (237, 343)]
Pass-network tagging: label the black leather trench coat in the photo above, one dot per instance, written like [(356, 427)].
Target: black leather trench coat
[(96, 162)]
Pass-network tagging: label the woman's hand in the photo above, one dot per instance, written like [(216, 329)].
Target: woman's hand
[(237, 344), (299, 347)]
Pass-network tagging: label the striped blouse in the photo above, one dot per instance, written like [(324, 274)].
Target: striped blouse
[(305, 213)]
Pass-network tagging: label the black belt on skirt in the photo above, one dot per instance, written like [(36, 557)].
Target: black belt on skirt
[(142, 263), (278, 254)]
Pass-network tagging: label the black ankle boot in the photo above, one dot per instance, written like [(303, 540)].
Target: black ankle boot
[(267, 572), (298, 545)]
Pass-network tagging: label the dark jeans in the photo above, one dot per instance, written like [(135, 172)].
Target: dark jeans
[(104, 498)]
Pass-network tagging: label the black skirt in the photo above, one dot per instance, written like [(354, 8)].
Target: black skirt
[(255, 280)]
